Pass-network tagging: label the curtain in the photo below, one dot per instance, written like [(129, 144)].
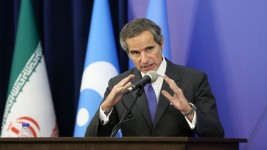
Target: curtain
[(63, 27)]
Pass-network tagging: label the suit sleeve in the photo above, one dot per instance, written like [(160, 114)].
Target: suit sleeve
[(208, 123), (96, 128)]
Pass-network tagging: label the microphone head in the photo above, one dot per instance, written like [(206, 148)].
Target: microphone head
[(153, 76)]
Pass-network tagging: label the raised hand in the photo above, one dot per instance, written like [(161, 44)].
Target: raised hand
[(116, 93)]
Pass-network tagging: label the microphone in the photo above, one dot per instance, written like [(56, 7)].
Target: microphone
[(150, 77)]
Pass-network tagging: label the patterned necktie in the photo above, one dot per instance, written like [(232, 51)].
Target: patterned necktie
[(151, 100)]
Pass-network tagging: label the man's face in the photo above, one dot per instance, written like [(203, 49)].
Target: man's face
[(145, 53)]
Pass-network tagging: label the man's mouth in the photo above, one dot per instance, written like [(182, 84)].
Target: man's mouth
[(148, 67)]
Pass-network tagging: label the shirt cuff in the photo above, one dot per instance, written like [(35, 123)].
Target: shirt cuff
[(192, 124), (104, 118)]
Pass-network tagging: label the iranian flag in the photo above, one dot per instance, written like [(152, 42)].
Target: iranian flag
[(29, 98)]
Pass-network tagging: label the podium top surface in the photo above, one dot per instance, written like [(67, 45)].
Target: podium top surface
[(125, 139)]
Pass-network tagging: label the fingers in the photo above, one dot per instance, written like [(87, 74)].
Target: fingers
[(127, 79), (177, 91), (117, 91), (124, 83), (178, 99), (167, 95), (127, 86)]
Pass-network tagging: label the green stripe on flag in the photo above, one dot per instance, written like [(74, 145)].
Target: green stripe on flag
[(26, 41)]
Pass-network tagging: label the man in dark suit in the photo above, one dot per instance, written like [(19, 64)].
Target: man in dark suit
[(185, 103)]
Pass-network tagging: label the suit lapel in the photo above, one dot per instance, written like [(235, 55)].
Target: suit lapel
[(163, 103)]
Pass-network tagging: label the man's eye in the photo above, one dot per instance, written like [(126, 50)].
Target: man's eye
[(148, 49), (134, 53)]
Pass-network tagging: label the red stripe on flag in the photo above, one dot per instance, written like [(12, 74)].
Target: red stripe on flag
[(15, 130), (32, 120)]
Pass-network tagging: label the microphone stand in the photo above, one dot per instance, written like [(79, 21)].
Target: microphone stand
[(126, 114)]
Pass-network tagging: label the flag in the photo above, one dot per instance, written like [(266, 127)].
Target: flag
[(157, 12), (101, 64), (29, 98)]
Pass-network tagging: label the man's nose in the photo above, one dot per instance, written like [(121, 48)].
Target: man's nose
[(144, 57)]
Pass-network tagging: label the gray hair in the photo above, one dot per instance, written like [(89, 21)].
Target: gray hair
[(136, 27)]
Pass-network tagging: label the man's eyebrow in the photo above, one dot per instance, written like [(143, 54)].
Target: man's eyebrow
[(151, 46), (133, 51)]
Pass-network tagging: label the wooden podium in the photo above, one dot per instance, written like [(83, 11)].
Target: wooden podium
[(126, 143)]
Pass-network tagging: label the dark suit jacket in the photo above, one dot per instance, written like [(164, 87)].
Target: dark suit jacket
[(168, 121)]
